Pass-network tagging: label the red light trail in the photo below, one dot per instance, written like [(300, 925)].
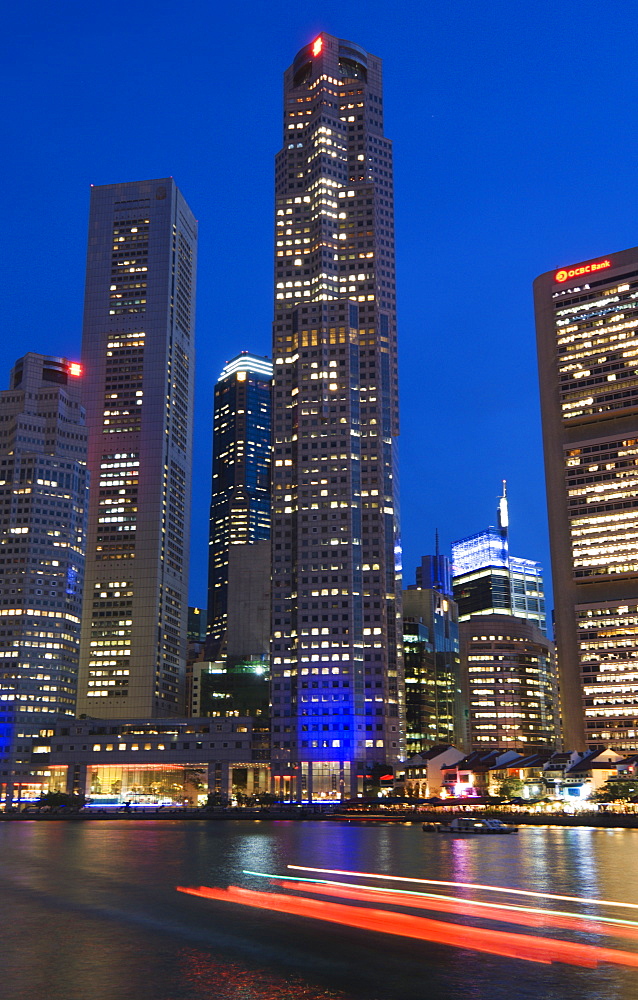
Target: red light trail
[(495, 942), (471, 908)]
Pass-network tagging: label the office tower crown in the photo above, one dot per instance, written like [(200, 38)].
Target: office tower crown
[(488, 580)]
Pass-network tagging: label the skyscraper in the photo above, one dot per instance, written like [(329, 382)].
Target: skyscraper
[(240, 498), (435, 708), (138, 356), (587, 317), (338, 697), (43, 504), (488, 580)]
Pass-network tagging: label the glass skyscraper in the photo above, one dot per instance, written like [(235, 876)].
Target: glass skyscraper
[(337, 672), (587, 318), (435, 710), (138, 355), (240, 499)]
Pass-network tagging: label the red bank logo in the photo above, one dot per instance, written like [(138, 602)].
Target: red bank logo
[(317, 46), (575, 272)]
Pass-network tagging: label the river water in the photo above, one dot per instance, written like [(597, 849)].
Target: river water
[(90, 911)]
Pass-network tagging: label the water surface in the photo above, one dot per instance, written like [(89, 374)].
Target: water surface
[(90, 912)]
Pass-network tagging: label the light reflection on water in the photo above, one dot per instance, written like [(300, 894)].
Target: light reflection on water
[(90, 912)]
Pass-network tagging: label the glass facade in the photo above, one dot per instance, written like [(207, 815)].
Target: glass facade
[(435, 707), (240, 500), (488, 580)]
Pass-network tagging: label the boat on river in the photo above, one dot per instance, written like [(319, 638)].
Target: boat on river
[(472, 825)]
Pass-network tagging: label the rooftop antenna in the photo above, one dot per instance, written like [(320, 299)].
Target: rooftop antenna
[(503, 511)]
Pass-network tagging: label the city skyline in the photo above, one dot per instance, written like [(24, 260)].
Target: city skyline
[(473, 183)]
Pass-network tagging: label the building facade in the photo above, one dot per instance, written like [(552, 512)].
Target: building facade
[(488, 580), (435, 708), (586, 317), (43, 504), (146, 763), (138, 356), (510, 678), (338, 702), (240, 498)]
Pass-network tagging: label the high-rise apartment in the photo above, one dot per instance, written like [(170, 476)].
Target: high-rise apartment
[(337, 648), (138, 357), (43, 505), (488, 580), (240, 499), (587, 318)]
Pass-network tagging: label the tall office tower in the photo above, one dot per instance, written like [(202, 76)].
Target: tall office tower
[(488, 580), (435, 708), (587, 317), (138, 356), (43, 510), (510, 678), (338, 700), (240, 500)]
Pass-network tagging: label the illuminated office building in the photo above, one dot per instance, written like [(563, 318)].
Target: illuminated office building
[(240, 499), (488, 580), (510, 681), (43, 510), (435, 709), (587, 318), (138, 355), (337, 670)]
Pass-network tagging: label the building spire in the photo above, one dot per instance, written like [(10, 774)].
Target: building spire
[(503, 510)]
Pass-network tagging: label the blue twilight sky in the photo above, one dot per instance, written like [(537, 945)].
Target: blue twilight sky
[(516, 151)]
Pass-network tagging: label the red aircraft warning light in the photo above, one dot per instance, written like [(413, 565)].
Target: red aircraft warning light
[(317, 46)]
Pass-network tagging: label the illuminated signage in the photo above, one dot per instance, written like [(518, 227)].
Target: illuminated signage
[(566, 273), (74, 369), (317, 46)]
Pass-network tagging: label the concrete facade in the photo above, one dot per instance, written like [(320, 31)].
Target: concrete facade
[(336, 583), (586, 319), (138, 355)]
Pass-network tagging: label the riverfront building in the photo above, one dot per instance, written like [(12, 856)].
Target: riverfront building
[(138, 356), (337, 671), (587, 318), (154, 762), (240, 500), (43, 511)]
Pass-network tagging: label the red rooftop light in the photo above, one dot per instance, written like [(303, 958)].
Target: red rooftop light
[(317, 46), (75, 369)]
